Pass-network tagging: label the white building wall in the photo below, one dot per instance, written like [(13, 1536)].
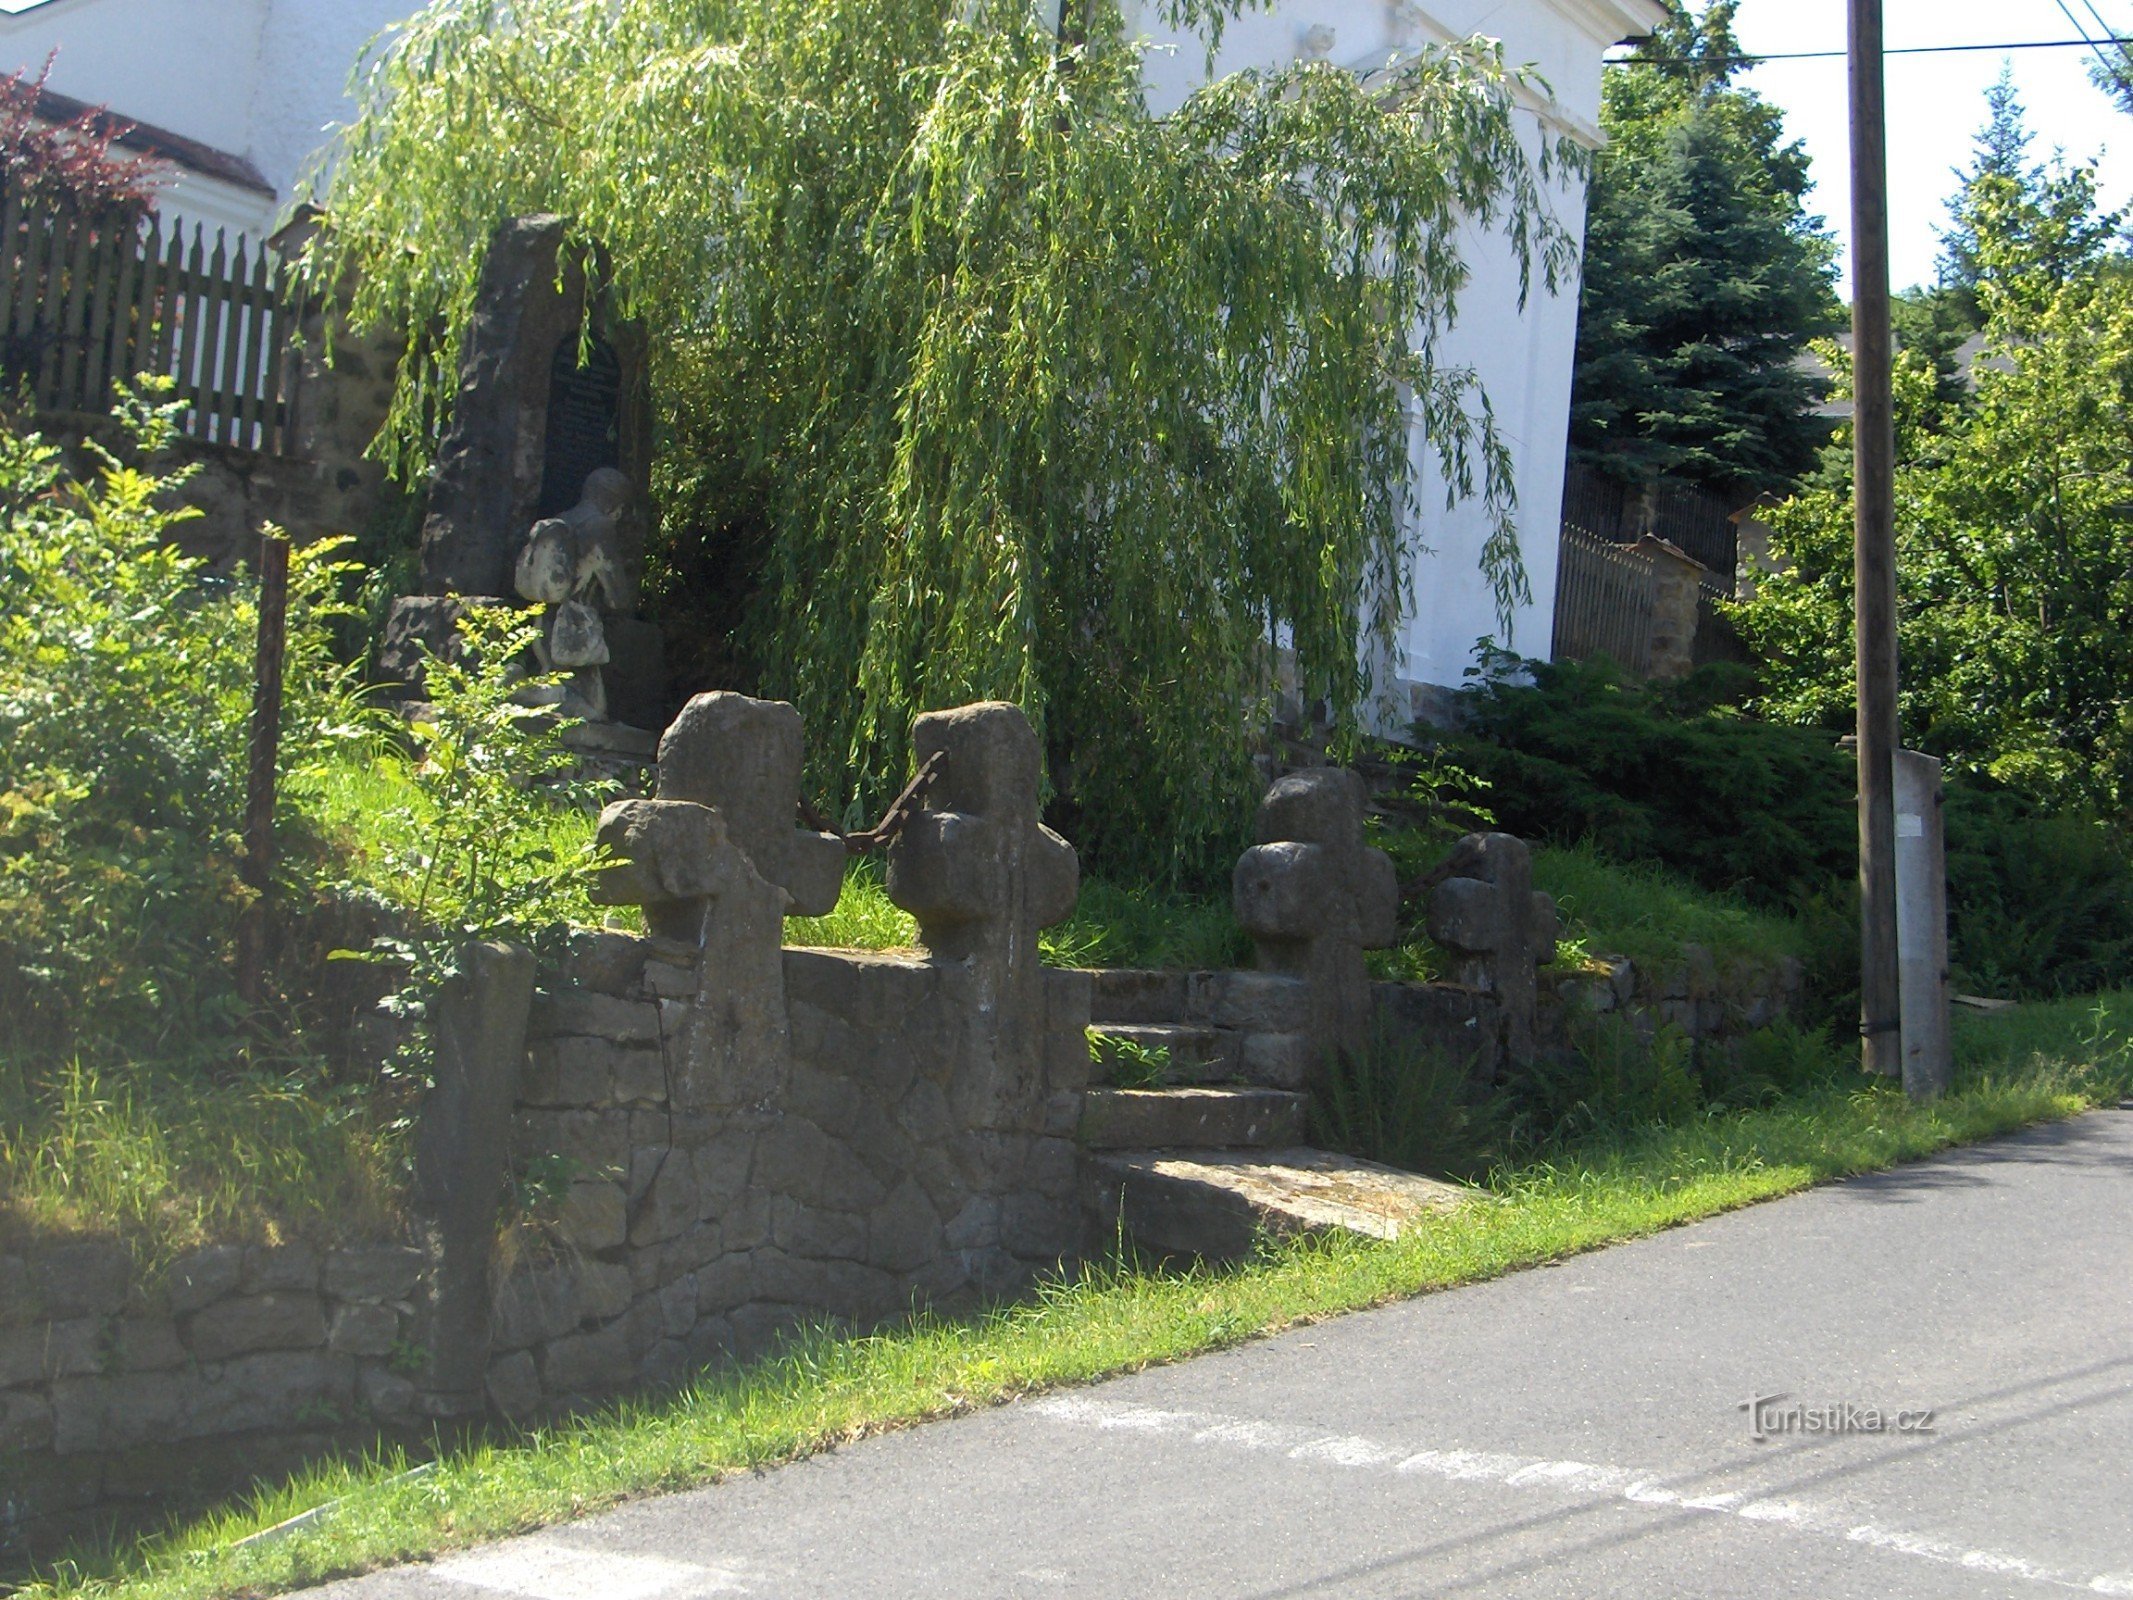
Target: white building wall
[(261, 79), (1522, 355)]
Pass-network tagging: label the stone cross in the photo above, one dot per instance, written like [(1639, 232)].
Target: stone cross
[(1314, 896), (977, 867), (1498, 929), (743, 757), (729, 775)]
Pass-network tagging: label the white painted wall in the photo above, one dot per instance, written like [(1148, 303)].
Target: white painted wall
[(262, 79), (1523, 355)]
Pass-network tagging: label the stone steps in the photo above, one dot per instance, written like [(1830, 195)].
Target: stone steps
[(1122, 1053), (1225, 1117), (1214, 1205)]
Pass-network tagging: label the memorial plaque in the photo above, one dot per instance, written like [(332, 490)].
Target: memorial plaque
[(584, 413)]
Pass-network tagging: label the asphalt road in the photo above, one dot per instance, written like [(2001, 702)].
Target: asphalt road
[(1573, 1431)]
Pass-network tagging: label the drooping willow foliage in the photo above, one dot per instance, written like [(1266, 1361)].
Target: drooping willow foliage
[(1033, 395)]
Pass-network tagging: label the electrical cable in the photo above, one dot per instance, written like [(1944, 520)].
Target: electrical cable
[(2083, 43)]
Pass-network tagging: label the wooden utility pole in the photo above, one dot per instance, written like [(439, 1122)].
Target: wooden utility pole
[(1874, 551), (265, 761)]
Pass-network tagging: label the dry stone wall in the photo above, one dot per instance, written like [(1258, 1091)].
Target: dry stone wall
[(121, 1386)]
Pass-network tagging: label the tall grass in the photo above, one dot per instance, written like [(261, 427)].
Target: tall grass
[(1643, 911), (169, 1161)]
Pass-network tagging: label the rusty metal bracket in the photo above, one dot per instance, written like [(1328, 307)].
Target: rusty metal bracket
[(892, 820)]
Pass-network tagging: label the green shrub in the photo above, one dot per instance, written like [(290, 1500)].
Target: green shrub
[(1574, 754), (126, 673)]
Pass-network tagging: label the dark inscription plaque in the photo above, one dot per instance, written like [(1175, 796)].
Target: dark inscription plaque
[(584, 406)]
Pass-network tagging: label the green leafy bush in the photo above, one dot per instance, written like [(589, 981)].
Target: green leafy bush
[(126, 673), (2041, 902)]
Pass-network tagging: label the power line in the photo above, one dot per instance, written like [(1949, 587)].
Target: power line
[(2109, 66), (1838, 55)]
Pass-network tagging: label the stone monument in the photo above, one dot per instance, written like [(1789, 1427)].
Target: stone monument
[(542, 484), (1314, 897), (1498, 929)]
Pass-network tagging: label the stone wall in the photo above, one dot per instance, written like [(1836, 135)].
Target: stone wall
[(121, 1387), (1707, 1000), (875, 1160)]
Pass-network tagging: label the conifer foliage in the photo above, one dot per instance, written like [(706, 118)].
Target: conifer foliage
[(1029, 393), (1705, 275)]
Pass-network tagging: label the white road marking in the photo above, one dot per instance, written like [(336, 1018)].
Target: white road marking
[(1356, 1453), (540, 1569)]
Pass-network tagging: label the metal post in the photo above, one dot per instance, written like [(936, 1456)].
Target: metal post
[(1874, 552), (265, 758)]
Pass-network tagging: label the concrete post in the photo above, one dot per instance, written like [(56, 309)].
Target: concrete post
[(1922, 925)]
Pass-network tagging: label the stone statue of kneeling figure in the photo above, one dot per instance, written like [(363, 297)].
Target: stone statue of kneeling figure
[(570, 564)]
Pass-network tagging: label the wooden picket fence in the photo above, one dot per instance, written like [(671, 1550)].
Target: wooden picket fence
[(86, 301)]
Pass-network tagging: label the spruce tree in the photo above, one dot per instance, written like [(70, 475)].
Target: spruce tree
[(1705, 275)]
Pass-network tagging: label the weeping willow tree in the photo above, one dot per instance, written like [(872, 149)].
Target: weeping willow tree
[(1033, 394)]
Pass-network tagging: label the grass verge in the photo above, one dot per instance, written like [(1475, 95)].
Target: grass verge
[(2038, 1064)]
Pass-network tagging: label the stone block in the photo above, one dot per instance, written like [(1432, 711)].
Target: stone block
[(594, 1015), (42, 1351), (789, 1158), (386, 1395), (1468, 914), (677, 1306), (1061, 1114), (605, 962), (363, 1330), (273, 1390), (815, 1233), (669, 1205), (587, 1363), (25, 1422), (640, 1077), (723, 1284), (1279, 1060), (203, 1276), (148, 1344), (281, 1320), (86, 1279), (598, 1141), (285, 1268), (848, 1183), (603, 1289), (594, 1217), (924, 1114), (15, 1304), (789, 1282), (533, 1306), (1126, 994), (373, 1273), (667, 1365), (570, 1072), (904, 1230), (1250, 1002), (668, 980), (513, 1384)]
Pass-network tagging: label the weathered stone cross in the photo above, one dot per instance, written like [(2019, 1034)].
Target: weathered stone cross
[(1314, 896), (1498, 930)]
